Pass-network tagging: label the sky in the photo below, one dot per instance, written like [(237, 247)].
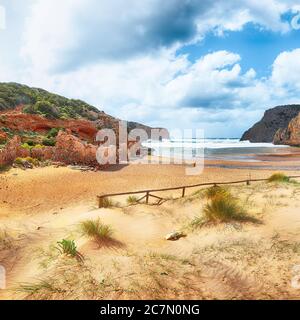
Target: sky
[(186, 64)]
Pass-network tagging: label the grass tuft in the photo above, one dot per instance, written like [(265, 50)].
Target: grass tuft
[(222, 209), (279, 177), (96, 230), (215, 191), (69, 248), (132, 200)]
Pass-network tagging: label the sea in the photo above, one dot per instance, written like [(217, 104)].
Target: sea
[(213, 149)]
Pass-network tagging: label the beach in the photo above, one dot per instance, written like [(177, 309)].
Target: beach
[(42, 206)]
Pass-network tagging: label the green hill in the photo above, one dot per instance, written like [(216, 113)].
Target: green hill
[(42, 102)]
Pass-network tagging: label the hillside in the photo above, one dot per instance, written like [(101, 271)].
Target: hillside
[(274, 119), (37, 115)]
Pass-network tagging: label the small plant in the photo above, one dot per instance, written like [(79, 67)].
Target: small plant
[(69, 248), (53, 133), (107, 203), (42, 285), (25, 161), (96, 230), (26, 146), (279, 177), (216, 191), (197, 222), (224, 208), (49, 142), (132, 200)]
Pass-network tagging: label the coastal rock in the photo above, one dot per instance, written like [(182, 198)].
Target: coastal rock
[(12, 150), (174, 235), (289, 135), (71, 150), (273, 120)]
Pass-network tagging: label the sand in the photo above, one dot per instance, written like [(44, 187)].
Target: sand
[(228, 261)]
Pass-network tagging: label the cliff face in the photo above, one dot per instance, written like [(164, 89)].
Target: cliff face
[(271, 127), (289, 135)]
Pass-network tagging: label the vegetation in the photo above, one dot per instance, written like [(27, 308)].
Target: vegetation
[(26, 161), (96, 230), (39, 101), (49, 142), (132, 200), (216, 191), (107, 203), (222, 209), (69, 248), (279, 177)]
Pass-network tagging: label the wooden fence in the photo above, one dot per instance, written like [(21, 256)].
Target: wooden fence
[(102, 198)]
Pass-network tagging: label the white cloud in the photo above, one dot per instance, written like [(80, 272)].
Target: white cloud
[(286, 70), (122, 58), (66, 35)]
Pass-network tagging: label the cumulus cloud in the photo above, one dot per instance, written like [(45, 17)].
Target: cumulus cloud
[(122, 56), (65, 35)]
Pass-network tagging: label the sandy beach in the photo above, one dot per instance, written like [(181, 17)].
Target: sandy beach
[(40, 207)]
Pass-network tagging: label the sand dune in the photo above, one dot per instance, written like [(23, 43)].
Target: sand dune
[(225, 261)]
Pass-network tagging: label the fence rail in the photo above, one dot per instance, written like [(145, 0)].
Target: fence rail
[(103, 197)]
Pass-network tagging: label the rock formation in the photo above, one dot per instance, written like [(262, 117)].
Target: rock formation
[(273, 126), (289, 135)]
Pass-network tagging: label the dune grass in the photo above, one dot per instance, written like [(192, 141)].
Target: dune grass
[(279, 177), (132, 200), (221, 207), (224, 208), (33, 288), (69, 248), (214, 191), (96, 230)]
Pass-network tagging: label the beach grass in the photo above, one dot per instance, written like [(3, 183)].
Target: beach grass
[(132, 200), (278, 177), (96, 230), (214, 191)]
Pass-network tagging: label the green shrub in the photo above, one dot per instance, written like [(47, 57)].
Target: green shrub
[(22, 161), (38, 146), (53, 133), (279, 177), (30, 143), (26, 146), (46, 109), (95, 230), (49, 142)]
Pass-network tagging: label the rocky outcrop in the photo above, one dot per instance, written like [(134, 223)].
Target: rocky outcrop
[(289, 135), (12, 151), (273, 120), (71, 150)]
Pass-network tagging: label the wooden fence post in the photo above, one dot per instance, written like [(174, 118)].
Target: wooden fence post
[(147, 197), (183, 192), (102, 202)]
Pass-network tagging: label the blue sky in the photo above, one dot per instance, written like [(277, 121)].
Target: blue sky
[(213, 65), (257, 47)]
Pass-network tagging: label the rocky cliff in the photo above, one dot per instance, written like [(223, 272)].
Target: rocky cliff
[(45, 126), (273, 127)]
